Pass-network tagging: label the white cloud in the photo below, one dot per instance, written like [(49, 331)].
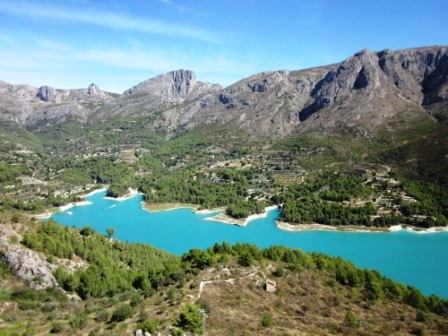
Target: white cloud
[(110, 20), (159, 60), (180, 8), (59, 63)]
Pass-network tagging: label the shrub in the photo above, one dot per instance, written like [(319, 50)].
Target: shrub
[(122, 313), (279, 271), (350, 320), (190, 319), (246, 260), (204, 304), (15, 218), (102, 316), (56, 327), (148, 325), (266, 321), (79, 321)]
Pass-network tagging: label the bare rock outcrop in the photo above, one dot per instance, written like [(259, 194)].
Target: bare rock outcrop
[(179, 84), (28, 265), (46, 106), (46, 93)]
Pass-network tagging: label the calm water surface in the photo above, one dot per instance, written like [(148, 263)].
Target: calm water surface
[(410, 258)]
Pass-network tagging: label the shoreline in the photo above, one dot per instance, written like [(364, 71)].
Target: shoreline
[(93, 192), (62, 208), (225, 219), (162, 207), (331, 228), (402, 227), (130, 194)]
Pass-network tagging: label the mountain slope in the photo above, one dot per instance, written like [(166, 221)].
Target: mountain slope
[(106, 287), (366, 92)]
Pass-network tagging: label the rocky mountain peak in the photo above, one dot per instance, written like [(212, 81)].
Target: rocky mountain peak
[(93, 89), (183, 81), (367, 90), (46, 93), (174, 84), (265, 81)]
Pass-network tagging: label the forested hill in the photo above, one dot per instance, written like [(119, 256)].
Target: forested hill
[(117, 288)]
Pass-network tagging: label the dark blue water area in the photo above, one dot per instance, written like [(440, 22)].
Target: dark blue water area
[(417, 259)]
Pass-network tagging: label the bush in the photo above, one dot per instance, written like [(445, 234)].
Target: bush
[(148, 325), (15, 218), (190, 319), (102, 316), (122, 313), (246, 260), (56, 327), (350, 320), (204, 304), (177, 332), (79, 321), (266, 321), (279, 272)]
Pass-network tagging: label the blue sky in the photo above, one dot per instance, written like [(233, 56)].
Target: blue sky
[(117, 44)]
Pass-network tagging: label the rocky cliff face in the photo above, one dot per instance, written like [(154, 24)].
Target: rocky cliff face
[(179, 84), (25, 263), (364, 92), (45, 105), (369, 89)]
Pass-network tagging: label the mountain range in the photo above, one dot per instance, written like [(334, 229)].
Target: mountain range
[(361, 142), (365, 94)]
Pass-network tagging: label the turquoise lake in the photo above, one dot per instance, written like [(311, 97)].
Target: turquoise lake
[(417, 259)]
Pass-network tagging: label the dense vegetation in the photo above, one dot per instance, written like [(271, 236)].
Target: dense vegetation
[(112, 266), (115, 267), (320, 201), (227, 188), (346, 198), (118, 282), (432, 201)]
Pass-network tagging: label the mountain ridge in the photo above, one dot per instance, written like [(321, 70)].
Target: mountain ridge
[(365, 92)]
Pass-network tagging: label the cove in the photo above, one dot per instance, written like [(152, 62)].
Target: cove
[(415, 259)]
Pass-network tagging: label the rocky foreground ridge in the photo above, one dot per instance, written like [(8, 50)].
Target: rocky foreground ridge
[(363, 93)]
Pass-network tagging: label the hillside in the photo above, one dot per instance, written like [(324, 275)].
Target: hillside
[(358, 144), (314, 294)]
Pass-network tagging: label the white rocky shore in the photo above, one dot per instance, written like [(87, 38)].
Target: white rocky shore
[(223, 218), (351, 228), (131, 193), (418, 230)]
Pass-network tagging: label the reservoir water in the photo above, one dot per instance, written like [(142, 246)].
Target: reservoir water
[(416, 259)]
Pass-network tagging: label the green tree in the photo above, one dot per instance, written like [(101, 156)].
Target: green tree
[(190, 319), (86, 231), (122, 313), (110, 232), (148, 325), (350, 320), (372, 285), (197, 258), (246, 260)]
